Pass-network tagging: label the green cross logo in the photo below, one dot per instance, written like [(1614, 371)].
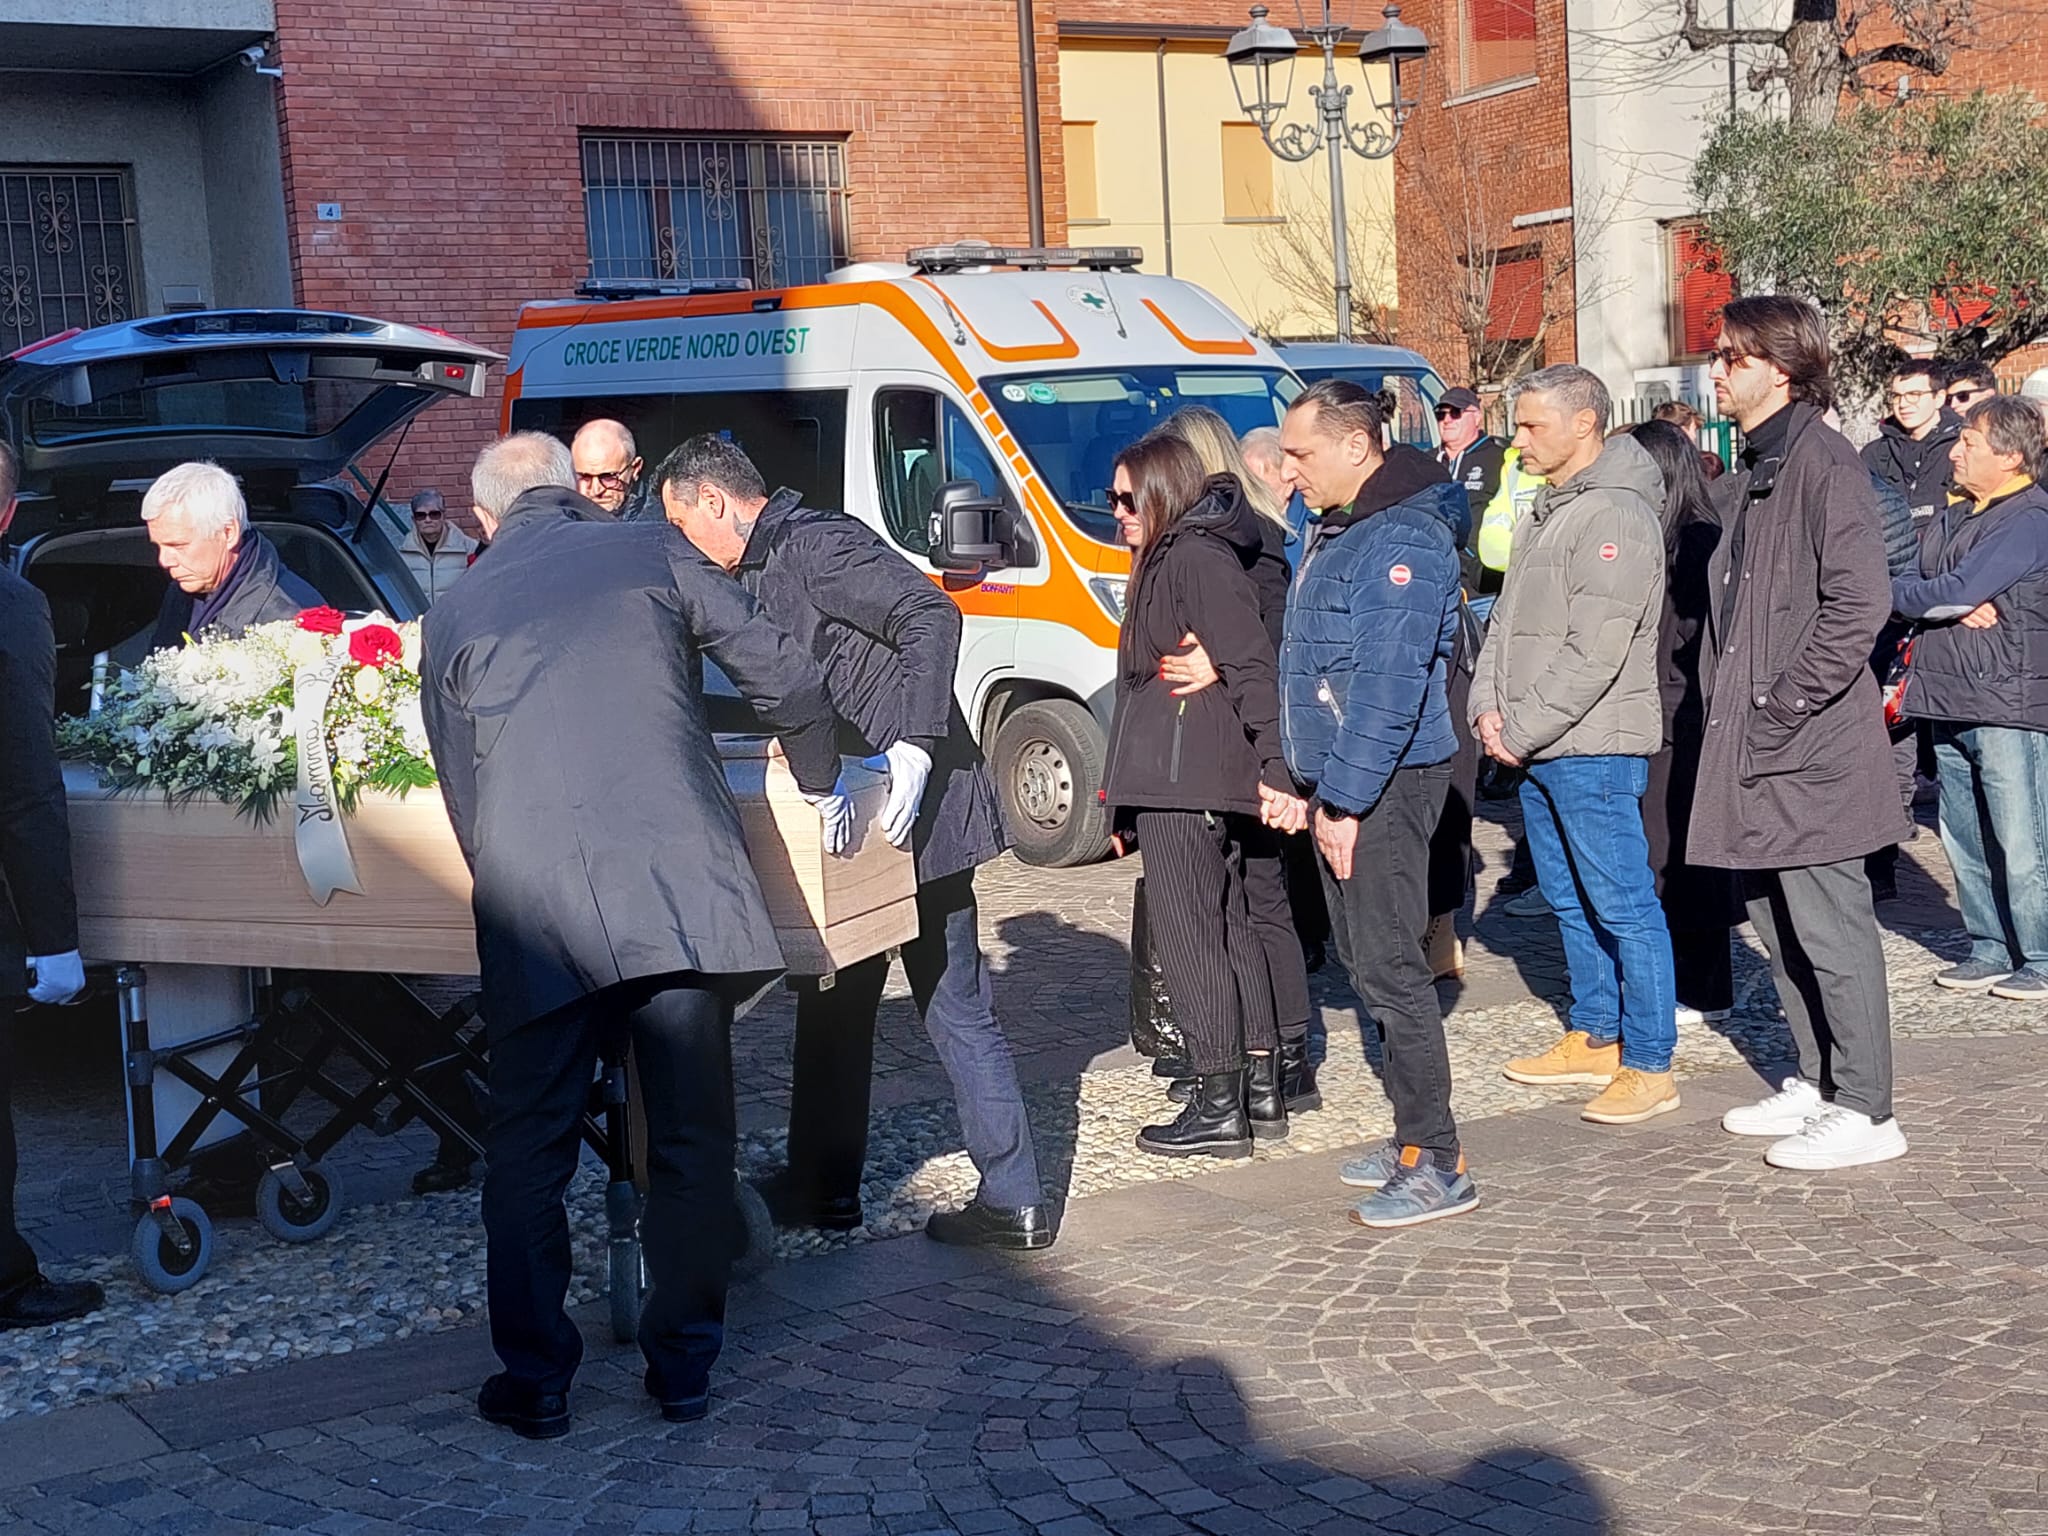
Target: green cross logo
[(1092, 299)]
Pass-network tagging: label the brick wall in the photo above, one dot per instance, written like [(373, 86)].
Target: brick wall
[(449, 136)]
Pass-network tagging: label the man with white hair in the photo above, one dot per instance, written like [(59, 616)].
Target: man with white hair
[(608, 465), (225, 575)]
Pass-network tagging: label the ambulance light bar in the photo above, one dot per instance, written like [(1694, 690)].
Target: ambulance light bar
[(657, 287), (973, 253)]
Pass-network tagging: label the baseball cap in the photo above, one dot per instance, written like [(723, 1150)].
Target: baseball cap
[(1459, 399)]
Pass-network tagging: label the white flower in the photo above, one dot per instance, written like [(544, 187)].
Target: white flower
[(349, 745), (412, 726)]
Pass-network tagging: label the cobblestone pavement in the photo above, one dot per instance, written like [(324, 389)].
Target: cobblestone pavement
[(1641, 1331)]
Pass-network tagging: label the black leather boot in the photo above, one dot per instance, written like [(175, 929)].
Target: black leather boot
[(1298, 1078), (1213, 1125), (1265, 1108)]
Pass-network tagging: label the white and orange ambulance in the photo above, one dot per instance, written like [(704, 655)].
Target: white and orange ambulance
[(967, 404)]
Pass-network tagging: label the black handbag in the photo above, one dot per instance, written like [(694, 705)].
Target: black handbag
[(1155, 1032)]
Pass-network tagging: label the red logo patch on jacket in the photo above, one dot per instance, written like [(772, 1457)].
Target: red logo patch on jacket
[(1400, 575), (1608, 551)]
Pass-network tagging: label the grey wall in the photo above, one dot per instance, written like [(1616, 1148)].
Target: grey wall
[(244, 188)]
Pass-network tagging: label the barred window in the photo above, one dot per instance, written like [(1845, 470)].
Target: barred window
[(767, 212), (67, 250)]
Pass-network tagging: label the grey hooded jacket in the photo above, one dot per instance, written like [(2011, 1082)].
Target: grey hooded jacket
[(1570, 660)]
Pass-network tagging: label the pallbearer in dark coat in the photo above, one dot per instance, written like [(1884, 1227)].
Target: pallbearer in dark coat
[(562, 684), (887, 640)]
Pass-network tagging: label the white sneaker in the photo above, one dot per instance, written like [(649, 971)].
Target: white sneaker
[(1784, 1113), (1838, 1138), (1702, 1016)]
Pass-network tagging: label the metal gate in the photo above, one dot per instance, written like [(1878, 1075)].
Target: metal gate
[(67, 250)]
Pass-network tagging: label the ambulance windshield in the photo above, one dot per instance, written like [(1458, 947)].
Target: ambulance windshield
[(1073, 425)]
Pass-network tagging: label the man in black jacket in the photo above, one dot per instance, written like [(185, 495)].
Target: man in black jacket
[(888, 640), (225, 575), (1912, 444), (38, 915), (562, 684)]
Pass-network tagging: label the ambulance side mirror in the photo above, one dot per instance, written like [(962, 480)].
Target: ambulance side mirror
[(970, 531)]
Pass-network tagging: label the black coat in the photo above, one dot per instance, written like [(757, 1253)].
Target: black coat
[(1206, 751), (1918, 468), (1795, 765), (888, 642), (38, 913), (265, 590), (562, 683)]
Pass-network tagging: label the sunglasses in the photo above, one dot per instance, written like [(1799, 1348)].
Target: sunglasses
[(1123, 499), (1448, 413), (615, 481), (1967, 394), (1727, 357)]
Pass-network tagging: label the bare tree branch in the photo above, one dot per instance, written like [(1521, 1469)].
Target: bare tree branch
[(1929, 61), (1701, 38)]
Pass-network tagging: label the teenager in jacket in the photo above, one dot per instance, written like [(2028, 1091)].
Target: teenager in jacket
[(1188, 774), (1911, 449), (888, 641), (1567, 688), (1980, 674), (1796, 783)]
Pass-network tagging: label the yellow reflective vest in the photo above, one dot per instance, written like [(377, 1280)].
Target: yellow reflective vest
[(1497, 523)]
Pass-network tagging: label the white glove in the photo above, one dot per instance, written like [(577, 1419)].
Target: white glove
[(910, 769), (58, 978), (836, 812)]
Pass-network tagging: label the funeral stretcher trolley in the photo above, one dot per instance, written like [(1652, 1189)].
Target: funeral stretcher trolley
[(199, 907)]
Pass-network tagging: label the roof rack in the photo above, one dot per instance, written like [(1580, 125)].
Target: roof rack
[(964, 254), (658, 287)]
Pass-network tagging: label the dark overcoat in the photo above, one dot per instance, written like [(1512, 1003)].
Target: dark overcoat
[(265, 591), (38, 914), (562, 685), (1795, 764), (888, 642)]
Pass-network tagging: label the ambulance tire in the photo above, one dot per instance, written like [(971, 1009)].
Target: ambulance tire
[(1048, 759)]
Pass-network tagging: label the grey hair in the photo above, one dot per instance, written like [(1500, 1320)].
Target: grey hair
[(708, 459), (514, 465), (617, 429), (1261, 443), (1574, 388), (2012, 425), (201, 490)]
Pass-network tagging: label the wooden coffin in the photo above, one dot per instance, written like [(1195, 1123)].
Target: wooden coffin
[(197, 884)]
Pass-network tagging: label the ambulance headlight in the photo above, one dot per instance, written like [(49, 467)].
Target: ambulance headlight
[(1109, 591)]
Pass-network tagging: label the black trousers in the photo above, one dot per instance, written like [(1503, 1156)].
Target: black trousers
[(680, 1028), (835, 1057), (1450, 845), (18, 1265), (1202, 933), (1270, 909), (1377, 918)]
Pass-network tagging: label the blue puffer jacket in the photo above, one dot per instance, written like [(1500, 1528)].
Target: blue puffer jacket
[(1371, 625)]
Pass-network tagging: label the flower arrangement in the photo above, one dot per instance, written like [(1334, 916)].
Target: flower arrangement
[(220, 718)]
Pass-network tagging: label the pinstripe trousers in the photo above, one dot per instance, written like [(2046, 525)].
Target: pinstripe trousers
[(1202, 934)]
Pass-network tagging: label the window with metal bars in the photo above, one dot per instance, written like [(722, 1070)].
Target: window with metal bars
[(67, 250), (767, 212)]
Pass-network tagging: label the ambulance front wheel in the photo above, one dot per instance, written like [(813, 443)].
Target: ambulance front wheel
[(1048, 760)]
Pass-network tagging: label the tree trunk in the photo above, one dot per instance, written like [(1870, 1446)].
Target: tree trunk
[(1815, 67)]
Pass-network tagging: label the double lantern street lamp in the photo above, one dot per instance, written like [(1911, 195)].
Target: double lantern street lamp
[(1262, 48)]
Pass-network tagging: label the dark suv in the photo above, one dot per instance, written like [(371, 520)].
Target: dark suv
[(289, 401)]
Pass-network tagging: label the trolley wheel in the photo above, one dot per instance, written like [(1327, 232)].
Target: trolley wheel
[(759, 1253), (291, 1219), (156, 1257), (625, 1279)]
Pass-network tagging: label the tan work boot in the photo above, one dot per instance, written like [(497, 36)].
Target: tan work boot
[(1443, 949), (1574, 1059), (1633, 1096)]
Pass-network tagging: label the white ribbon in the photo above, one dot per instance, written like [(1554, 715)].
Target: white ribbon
[(324, 858)]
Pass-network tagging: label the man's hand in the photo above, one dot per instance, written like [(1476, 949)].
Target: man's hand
[(1278, 809), (910, 770), (1192, 670), (59, 978), (835, 812), (1336, 836), (1983, 616), (1489, 727)]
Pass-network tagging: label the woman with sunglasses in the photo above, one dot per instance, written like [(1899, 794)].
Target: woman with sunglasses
[(1191, 777)]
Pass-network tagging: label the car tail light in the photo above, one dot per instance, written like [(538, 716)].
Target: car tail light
[(47, 341)]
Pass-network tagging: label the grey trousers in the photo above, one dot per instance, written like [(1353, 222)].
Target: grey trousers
[(1821, 931)]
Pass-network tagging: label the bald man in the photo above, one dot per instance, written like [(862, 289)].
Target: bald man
[(607, 464)]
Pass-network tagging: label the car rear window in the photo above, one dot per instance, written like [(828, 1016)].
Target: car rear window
[(307, 408)]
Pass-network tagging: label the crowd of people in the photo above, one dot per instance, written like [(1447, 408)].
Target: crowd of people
[(1708, 684)]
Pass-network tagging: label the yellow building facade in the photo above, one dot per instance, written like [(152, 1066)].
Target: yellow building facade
[(1158, 155)]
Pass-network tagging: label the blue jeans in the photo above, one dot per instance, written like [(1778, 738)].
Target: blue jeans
[(1583, 817), (1994, 826)]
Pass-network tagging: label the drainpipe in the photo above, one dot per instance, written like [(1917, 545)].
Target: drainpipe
[(1034, 168), (1165, 164)]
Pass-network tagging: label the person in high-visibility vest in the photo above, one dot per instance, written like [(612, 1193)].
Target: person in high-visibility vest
[(1494, 541)]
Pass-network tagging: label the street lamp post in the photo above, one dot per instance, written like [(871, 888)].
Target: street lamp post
[(1261, 48)]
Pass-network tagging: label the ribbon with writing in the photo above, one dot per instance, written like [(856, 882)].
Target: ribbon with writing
[(324, 858)]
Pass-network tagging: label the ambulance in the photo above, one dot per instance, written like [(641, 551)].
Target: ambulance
[(968, 404)]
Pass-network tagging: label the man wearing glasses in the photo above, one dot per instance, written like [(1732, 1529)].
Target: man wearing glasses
[(1970, 383), (1911, 449), (608, 466)]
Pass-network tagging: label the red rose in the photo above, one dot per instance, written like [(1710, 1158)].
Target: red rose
[(373, 645), (320, 621)]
